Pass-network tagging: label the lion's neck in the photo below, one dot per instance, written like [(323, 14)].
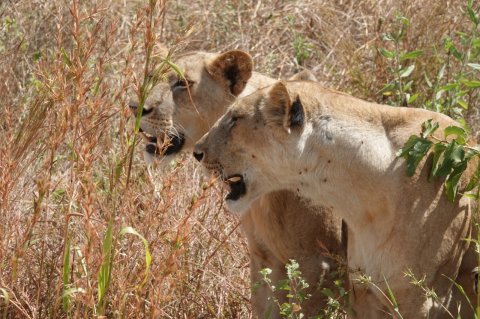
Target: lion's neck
[(348, 165), (256, 82)]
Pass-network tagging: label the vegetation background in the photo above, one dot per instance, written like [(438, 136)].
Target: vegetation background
[(86, 228)]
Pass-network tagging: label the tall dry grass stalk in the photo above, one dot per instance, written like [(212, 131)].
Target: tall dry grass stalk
[(71, 170)]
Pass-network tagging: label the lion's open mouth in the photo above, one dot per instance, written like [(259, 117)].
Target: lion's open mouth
[(173, 145), (237, 187)]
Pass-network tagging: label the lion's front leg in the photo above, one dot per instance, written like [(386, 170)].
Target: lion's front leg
[(365, 304), (265, 303), (319, 272)]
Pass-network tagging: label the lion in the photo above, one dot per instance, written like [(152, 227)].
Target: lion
[(340, 152), (181, 112)]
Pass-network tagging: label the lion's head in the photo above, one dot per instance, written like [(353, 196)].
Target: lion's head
[(179, 112), (252, 141)]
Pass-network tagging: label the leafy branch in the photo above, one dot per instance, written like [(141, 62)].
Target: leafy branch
[(450, 156), (401, 64)]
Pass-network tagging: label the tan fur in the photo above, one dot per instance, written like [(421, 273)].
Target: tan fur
[(342, 156), (274, 230)]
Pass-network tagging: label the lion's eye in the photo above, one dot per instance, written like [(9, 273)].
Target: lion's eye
[(233, 120), (181, 84)]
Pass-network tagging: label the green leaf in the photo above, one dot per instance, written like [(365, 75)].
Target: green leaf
[(386, 53), (403, 152), (474, 66), (284, 285), (413, 98), (438, 150), (457, 54), (406, 72), (463, 104), (459, 132), (453, 156), (428, 128), (471, 83), (408, 86), (387, 37), (387, 89), (414, 151), (451, 49), (451, 184), (411, 55), (328, 292), (429, 83), (473, 17), (449, 86), (441, 72)]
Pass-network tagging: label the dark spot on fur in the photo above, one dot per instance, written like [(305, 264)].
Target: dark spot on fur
[(298, 190), (305, 170), (297, 115), (300, 173), (329, 161), (325, 180), (326, 117), (253, 156)]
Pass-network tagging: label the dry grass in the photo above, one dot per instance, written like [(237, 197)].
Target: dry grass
[(66, 142)]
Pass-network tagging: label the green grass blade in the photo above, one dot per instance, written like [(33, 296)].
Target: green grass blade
[(148, 256), (6, 301), (66, 277), (106, 268)]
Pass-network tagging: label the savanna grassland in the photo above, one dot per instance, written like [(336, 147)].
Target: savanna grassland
[(86, 228)]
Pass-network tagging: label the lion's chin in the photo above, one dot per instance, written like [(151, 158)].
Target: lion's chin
[(238, 206), (242, 194), (237, 199)]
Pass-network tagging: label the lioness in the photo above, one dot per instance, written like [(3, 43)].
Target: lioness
[(339, 152), (184, 109)]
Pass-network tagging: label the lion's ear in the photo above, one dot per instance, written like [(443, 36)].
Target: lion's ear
[(305, 75), (233, 69), (280, 110)]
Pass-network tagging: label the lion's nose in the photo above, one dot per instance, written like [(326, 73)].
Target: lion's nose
[(198, 156)]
